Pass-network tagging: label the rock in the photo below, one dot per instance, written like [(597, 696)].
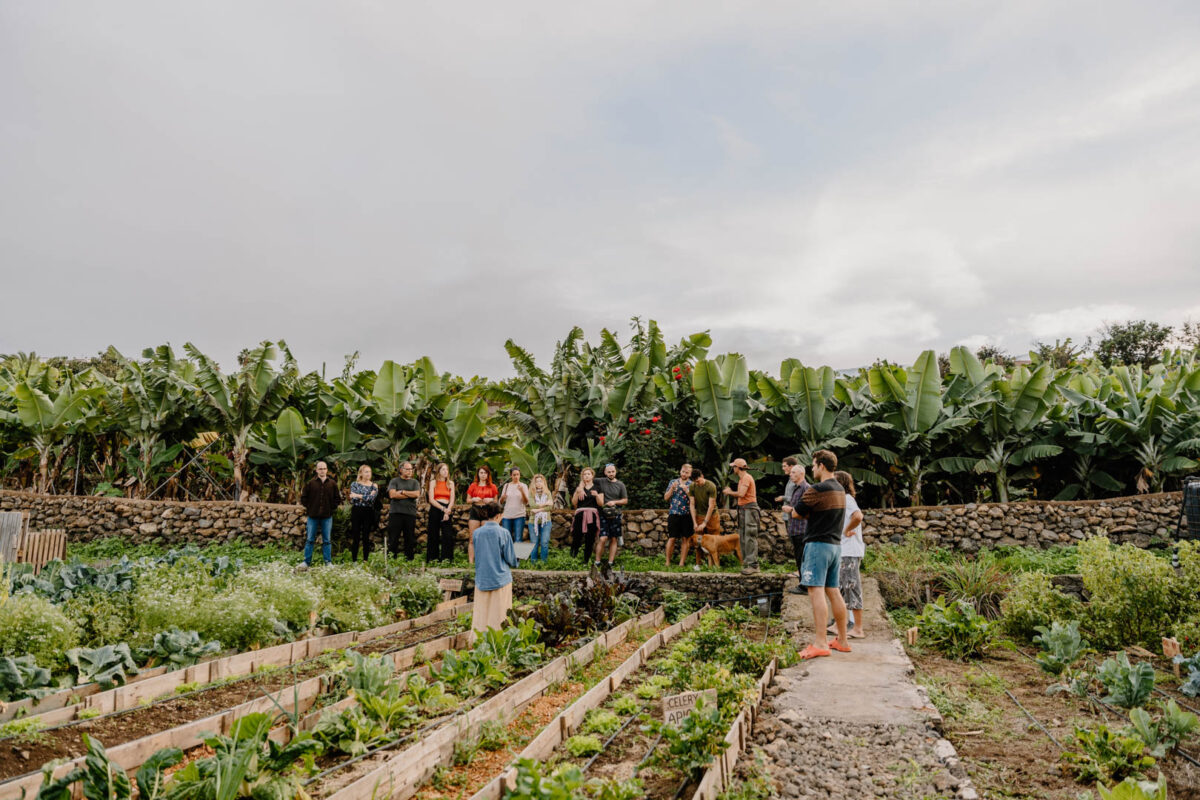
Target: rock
[(147, 529)]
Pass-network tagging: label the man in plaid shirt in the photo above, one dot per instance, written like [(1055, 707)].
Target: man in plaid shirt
[(796, 525)]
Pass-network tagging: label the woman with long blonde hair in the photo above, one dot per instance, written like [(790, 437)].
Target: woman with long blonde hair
[(586, 522), (541, 501), (364, 512)]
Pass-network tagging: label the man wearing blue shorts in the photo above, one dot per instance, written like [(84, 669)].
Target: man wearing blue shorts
[(824, 505)]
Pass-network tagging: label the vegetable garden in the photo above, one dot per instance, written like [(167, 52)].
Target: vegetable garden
[(396, 708), (1043, 691)]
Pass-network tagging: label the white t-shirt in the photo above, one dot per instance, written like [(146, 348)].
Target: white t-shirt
[(852, 545)]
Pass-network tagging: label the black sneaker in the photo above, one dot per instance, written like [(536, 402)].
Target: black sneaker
[(798, 590)]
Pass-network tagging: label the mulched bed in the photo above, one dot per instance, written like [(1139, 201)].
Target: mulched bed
[(1006, 754), (25, 755)]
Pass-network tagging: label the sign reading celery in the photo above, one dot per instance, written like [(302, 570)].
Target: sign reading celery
[(678, 706)]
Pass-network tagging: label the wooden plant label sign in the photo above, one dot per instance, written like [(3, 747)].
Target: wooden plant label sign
[(912, 634), (1170, 647), (678, 706)]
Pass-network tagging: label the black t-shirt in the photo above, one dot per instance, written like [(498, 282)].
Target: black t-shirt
[(825, 504), (588, 501)]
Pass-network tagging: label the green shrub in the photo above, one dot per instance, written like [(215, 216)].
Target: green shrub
[(1187, 585), (293, 597), (417, 595), (979, 581), (1033, 603), (907, 573), (351, 598), (237, 618), (1130, 593), (956, 629), (30, 624)]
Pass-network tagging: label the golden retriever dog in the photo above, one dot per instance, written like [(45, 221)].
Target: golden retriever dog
[(717, 545)]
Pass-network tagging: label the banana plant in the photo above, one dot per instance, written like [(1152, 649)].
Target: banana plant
[(1013, 429), (148, 402), (404, 400), (49, 417), (728, 417), (920, 423), (234, 404), (459, 432)]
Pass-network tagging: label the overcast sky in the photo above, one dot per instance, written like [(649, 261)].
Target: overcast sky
[(836, 182)]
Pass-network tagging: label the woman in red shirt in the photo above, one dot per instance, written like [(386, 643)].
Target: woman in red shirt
[(439, 535), (481, 492)]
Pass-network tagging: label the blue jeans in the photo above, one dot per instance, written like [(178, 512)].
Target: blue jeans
[(540, 536), (515, 526), (325, 525)]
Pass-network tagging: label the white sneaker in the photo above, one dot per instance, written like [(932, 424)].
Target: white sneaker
[(695, 567)]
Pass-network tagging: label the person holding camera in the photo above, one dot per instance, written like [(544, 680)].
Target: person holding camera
[(613, 497)]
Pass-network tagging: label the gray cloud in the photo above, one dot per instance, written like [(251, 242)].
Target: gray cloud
[(836, 184)]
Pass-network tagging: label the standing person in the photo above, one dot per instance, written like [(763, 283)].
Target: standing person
[(702, 495), (586, 521), (403, 490), (824, 503), (788, 488), (679, 517), (853, 550), (364, 513), (615, 495), (320, 497), (439, 533), (494, 558), (481, 492), (514, 496), (796, 524), (541, 503), (748, 515)]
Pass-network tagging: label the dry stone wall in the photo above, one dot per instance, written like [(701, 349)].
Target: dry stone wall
[(1141, 520)]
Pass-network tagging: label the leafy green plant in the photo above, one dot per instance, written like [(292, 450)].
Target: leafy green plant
[(1105, 755), (472, 673), (178, 649), (27, 729), (1033, 602), (625, 705), (390, 708), (517, 645), (956, 629), (493, 735), (533, 783), (1131, 789), (368, 674), (465, 750), (1061, 645), (1128, 685), (1163, 734), (31, 625), (1191, 668), (428, 697), (979, 581), (583, 745), (415, 595), (349, 731), (21, 677), (695, 742), (108, 665), (601, 721), (676, 605)]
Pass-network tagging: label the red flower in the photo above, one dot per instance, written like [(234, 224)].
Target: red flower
[(672, 441), (655, 419), (631, 419), (601, 440), (678, 377), (674, 369), (647, 431)]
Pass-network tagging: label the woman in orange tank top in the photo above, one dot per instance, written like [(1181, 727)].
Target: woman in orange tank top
[(439, 535)]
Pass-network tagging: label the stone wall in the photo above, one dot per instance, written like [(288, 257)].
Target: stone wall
[(1141, 520)]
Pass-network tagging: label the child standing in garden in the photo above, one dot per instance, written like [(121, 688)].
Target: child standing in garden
[(541, 504)]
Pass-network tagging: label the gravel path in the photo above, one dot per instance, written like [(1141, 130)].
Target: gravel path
[(854, 725)]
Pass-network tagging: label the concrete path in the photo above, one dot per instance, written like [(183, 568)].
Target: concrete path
[(872, 684)]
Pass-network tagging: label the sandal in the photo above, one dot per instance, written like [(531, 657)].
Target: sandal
[(812, 651), (836, 645)]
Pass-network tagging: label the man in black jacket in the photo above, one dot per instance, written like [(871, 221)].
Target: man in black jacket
[(320, 497)]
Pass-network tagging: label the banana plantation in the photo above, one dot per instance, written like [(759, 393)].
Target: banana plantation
[(178, 425)]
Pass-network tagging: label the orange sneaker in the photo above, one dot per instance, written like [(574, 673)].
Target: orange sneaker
[(812, 651), (836, 645)]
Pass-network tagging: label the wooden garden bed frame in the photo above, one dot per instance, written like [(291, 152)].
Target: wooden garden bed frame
[(559, 729), (148, 684), (720, 772), (298, 698), (403, 773)]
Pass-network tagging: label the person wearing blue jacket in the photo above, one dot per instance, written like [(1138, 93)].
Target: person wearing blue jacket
[(494, 557)]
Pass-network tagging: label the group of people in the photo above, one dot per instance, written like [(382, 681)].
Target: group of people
[(822, 520)]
